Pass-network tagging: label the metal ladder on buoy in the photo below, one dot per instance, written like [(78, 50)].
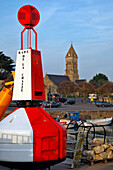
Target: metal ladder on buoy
[(78, 149)]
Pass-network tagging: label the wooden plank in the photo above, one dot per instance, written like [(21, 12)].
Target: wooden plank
[(78, 150), (71, 142)]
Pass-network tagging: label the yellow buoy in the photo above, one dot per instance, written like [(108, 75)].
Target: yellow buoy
[(5, 100)]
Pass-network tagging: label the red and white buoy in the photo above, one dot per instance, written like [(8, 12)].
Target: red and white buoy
[(29, 136)]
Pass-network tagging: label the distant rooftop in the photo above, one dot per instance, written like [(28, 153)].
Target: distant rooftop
[(57, 79), (79, 81)]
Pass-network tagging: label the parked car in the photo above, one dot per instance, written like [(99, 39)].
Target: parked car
[(48, 104), (61, 99), (55, 104), (54, 95), (45, 104), (69, 102), (59, 104), (13, 104), (103, 104)]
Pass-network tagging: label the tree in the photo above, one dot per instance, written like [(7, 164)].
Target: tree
[(85, 88), (98, 80), (66, 87), (106, 89), (6, 65)]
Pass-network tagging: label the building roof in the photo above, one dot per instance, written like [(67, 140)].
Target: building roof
[(79, 81), (57, 79)]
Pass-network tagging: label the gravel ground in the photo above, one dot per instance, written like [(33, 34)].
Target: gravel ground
[(65, 166)]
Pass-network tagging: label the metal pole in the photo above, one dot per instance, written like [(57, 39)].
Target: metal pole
[(22, 38)]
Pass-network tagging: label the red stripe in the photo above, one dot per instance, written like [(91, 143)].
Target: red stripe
[(48, 142)]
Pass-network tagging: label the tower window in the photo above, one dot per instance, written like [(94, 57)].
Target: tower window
[(68, 63)]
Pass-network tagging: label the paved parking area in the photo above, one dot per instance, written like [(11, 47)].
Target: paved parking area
[(79, 107), (74, 107), (100, 166), (64, 166)]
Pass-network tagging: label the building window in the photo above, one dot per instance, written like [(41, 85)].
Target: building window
[(68, 63)]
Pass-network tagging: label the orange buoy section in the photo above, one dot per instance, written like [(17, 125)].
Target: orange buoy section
[(5, 100)]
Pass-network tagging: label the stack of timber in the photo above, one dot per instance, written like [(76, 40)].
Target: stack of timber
[(99, 151)]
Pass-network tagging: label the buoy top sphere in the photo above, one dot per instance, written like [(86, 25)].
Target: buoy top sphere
[(28, 16)]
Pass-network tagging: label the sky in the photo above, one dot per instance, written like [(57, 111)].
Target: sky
[(87, 24)]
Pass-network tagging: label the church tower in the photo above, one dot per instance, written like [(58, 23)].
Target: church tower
[(71, 69)]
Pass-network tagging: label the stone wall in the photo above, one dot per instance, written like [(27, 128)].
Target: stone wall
[(49, 84), (91, 114), (97, 114)]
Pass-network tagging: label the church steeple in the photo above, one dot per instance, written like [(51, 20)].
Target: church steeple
[(71, 69)]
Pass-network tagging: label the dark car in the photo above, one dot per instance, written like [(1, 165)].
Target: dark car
[(69, 102), (54, 95), (45, 104), (59, 104), (103, 104), (55, 104), (61, 99), (49, 104)]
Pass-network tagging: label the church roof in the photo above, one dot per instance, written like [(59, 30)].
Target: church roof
[(57, 79), (80, 81), (72, 52)]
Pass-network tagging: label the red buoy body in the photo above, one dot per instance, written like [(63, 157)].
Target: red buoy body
[(32, 138)]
